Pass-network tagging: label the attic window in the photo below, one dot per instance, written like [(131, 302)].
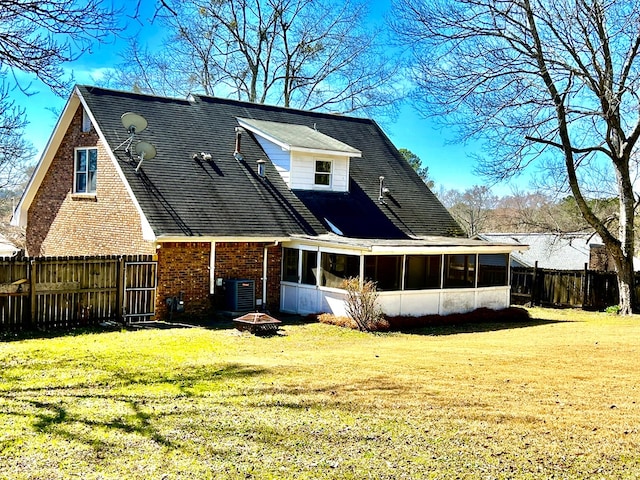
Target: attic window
[(323, 173), (86, 121)]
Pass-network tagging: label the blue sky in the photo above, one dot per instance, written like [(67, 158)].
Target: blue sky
[(449, 165)]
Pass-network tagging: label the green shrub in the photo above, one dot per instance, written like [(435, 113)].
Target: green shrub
[(613, 309)]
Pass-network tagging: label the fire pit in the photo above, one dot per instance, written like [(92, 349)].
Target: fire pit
[(257, 323)]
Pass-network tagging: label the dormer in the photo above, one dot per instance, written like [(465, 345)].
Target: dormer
[(305, 158)]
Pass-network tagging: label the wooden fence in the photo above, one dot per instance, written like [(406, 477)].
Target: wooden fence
[(587, 289), (65, 292)]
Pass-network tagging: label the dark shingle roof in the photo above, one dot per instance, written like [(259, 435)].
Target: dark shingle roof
[(225, 197)]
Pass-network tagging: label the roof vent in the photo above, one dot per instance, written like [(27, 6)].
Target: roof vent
[(239, 132), (198, 157), (261, 165), (383, 192)]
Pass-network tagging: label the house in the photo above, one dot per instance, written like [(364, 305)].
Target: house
[(252, 206), (567, 251)]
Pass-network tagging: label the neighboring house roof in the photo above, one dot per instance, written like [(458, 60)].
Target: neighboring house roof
[(559, 252), (181, 194)]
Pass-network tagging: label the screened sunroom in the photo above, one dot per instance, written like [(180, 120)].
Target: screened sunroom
[(414, 277)]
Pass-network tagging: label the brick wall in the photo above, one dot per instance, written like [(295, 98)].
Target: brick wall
[(60, 223), (185, 267)]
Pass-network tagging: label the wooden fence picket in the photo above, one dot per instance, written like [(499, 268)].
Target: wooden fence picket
[(66, 292)]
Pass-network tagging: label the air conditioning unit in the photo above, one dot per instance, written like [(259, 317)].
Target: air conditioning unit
[(240, 295)]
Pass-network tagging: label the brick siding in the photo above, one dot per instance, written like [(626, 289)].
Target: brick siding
[(61, 223), (184, 268)]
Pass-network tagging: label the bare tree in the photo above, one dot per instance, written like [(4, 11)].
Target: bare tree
[(38, 37), (539, 80), (309, 54), (472, 209)]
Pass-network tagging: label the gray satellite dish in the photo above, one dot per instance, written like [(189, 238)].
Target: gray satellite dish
[(133, 122), (145, 151)]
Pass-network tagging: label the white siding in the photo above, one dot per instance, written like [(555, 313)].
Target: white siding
[(306, 299), (303, 172), (280, 158), (298, 169)]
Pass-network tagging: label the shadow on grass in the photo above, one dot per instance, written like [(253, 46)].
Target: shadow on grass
[(480, 320), (213, 322), (16, 336), (88, 413), (453, 329)]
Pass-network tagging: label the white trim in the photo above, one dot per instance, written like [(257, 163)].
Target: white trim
[(316, 151), (329, 173), (75, 172), (340, 247), (218, 239)]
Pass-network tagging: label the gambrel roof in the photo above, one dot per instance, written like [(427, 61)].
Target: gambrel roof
[(182, 193)]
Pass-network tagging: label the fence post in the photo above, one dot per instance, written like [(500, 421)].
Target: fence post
[(585, 286), (32, 294), (120, 290), (534, 285)]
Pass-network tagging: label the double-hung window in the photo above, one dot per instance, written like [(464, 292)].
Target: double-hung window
[(323, 173), (85, 170)]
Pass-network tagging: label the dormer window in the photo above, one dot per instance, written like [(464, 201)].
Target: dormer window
[(323, 173)]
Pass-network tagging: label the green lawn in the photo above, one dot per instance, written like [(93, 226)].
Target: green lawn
[(558, 397)]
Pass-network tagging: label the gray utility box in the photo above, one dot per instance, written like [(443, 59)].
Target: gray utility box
[(240, 295)]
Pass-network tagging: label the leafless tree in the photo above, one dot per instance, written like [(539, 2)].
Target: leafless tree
[(539, 80), (309, 54), (14, 149), (472, 208), (37, 38)]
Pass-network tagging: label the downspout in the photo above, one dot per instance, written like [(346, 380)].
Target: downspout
[(264, 272)]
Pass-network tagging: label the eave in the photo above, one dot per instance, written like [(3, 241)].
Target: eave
[(415, 246)]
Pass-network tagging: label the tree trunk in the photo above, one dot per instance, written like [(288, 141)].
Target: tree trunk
[(626, 285)]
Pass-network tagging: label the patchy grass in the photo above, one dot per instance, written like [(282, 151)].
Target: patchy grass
[(554, 396)]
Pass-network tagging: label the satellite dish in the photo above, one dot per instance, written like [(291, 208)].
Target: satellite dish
[(145, 151), (133, 122)]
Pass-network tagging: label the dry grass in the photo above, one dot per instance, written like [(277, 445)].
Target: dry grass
[(555, 397)]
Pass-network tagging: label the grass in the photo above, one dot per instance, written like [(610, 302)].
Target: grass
[(555, 397)]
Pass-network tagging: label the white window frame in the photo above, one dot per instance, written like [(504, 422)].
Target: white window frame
[(329, 174), (86, 172)]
